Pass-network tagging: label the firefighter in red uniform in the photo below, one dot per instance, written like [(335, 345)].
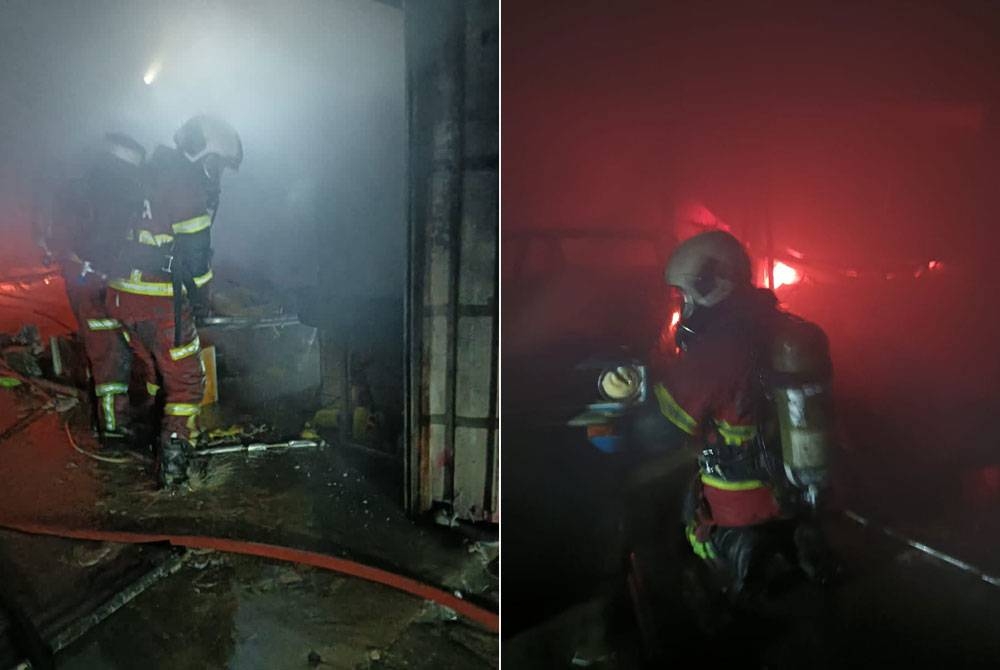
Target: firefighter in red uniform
[(166, 265), (748, 513), (87, 213)]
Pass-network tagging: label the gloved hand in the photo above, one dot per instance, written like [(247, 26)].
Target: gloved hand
[(201, 303), (620, 384)]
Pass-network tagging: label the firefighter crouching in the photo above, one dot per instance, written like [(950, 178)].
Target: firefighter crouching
[(164, 272), (750, 388), (87, 214)]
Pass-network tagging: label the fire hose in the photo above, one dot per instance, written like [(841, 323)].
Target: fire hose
[(484, 617)]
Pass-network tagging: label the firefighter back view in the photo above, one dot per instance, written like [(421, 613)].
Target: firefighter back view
[(89, 215), (166, 265)]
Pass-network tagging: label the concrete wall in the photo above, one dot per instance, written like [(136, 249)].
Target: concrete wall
[(453, 69)]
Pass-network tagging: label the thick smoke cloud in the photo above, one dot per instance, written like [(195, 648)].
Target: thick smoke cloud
[(315, 89)]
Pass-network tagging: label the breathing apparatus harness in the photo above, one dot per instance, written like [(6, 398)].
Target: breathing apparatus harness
[(760, 457), (190, 257), (187, 257)]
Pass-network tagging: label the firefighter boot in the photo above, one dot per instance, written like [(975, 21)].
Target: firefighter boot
[(172, 463)]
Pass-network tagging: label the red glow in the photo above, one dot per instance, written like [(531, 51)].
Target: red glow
[(934, 265), (667, 344), (785, 275)]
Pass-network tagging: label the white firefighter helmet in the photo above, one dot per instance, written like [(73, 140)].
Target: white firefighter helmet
[(204, 136), (707, 269)]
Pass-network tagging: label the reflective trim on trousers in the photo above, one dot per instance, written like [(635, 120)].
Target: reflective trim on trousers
[(135, 285), (702, 550), (185, 350), (108, 410), (182, 409), (103, 324), (152, 389), (110, 388)]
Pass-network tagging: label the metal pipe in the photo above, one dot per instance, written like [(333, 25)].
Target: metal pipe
[(920, 546), (258, 447), (81, 626), (232, 322)]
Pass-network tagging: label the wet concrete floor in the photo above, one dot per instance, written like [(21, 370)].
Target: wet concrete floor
[(230, 611), (242, 613), (332, 500)]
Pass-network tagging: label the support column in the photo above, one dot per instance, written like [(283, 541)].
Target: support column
[(452, 77)]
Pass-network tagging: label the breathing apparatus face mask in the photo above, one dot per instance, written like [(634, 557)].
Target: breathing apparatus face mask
[(694, 320), (212, 164)]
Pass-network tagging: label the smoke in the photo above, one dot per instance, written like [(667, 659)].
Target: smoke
[(316, 90), (864, 135)]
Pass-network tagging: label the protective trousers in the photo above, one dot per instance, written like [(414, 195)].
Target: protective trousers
[(106, 349), (148, 323)]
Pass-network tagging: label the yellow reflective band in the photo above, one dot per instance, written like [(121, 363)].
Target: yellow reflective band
[(148, 238), (182, 409), (152, 389), (108, 407), (735, 435), (195, 225), (189, 349), (135, 285), (746, 485), (674, 412), (110, 389), (201, 280), (701, 549), (103, 324), (128, 338)]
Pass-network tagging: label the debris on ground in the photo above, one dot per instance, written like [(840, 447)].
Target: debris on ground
[(433, 612), (587, 661), (235, 433), (27, 338), (89, 554), (22, 361), (447, 518), (288, 576), (63, 404)]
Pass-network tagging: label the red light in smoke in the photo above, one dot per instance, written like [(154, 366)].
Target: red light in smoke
[(667, 345), (785, 275), (934, 265)]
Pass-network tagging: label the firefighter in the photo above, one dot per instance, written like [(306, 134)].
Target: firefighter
[(748, 513), (89, 212), (166, 267)]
